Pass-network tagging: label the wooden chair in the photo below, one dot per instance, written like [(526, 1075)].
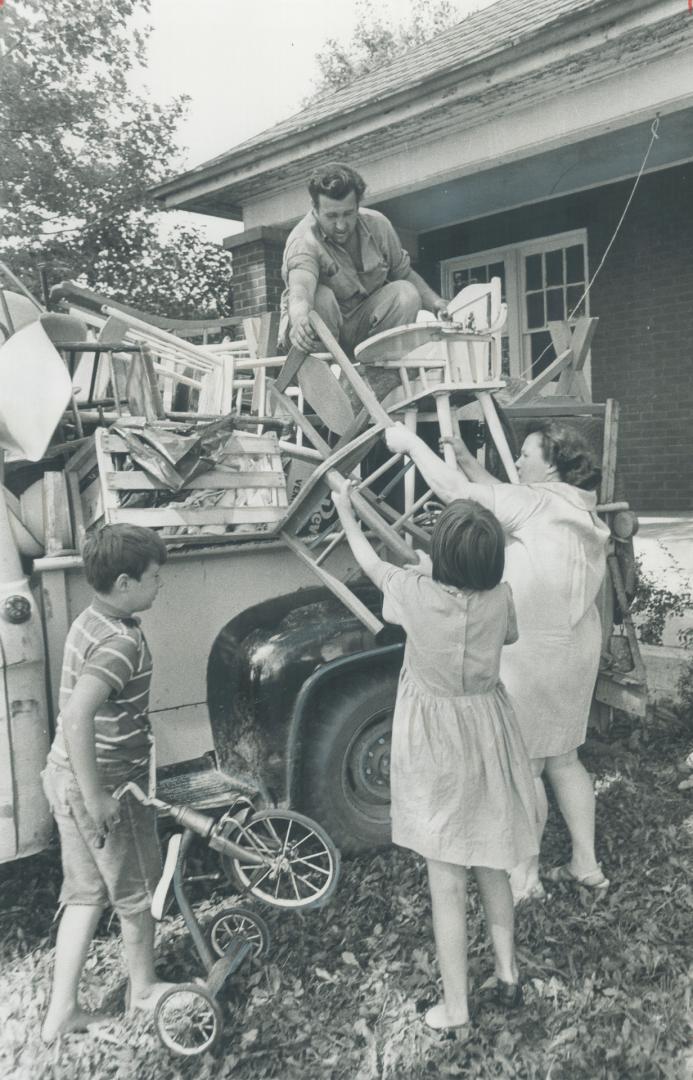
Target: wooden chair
[(443, 367)]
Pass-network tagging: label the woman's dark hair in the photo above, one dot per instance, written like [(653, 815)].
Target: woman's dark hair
[(335, 181), (565, 448), (120, 549), (468, 547)]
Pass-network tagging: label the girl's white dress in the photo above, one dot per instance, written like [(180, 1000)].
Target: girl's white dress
[(555, 562), (461, 785)]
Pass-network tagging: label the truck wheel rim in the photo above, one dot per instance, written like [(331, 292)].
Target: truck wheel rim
[(366, 775)]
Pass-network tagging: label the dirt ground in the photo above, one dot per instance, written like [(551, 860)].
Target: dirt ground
[(608, 983)]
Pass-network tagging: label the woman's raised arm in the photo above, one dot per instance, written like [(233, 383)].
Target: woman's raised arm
[(446, 482), (466, 460)]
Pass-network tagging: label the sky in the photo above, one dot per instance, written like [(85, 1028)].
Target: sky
[(245, 64)]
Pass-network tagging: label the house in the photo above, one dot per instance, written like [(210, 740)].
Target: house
[(510, 145)]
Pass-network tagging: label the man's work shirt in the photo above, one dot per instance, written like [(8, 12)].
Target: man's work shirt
[(382, 256)]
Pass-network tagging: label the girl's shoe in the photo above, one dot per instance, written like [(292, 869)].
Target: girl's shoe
[(509, 995), (534, 892), (436, 1019), (595, 880)]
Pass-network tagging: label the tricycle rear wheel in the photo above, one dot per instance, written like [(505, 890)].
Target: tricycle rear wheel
[(236, 922), (188, 1020)]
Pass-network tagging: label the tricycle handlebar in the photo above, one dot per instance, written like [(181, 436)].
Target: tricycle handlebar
[(197, 822)]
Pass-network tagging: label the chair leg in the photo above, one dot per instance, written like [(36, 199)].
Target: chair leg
[(446, 429), (497, 434)]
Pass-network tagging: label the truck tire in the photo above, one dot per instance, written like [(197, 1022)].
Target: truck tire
[(346, 775)]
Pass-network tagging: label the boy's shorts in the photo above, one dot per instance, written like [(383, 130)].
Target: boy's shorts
[(125, 871)]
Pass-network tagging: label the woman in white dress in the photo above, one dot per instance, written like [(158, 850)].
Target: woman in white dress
[(555, 564)]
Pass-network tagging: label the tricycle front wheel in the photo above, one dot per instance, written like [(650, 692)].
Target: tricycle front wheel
[(302, 862)]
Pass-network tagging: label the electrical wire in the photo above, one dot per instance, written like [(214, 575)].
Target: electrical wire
[(653, 137)]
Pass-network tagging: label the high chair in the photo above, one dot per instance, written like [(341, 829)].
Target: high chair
[(450, 367), (443, 366)]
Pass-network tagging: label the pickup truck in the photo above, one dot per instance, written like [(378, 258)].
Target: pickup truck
[(263, 681)]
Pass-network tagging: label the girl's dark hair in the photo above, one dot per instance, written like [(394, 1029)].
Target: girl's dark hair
[(120, 549), (335, 181), (468, 547), (565, 448)]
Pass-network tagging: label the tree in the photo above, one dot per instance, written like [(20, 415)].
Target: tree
[(82, 146), (377, 41)]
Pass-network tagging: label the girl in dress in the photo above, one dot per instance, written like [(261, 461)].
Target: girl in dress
[(461, 785)]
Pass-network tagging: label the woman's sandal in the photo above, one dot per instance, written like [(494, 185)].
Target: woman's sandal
[(432, 1019), (502, 995), (595, 880)]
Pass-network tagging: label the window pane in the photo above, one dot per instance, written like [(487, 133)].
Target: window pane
[(533, 271), (535, 310), (575, 263), (541, 351), (574, 293), (505, 355), (554, 304), (478, 274), (554, 267)]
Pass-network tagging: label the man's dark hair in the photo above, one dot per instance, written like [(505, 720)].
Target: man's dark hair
[(335, 181), (120, 549), (565, 448), (468, 547)]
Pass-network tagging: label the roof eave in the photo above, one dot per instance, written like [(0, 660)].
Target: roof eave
[(176, 192)]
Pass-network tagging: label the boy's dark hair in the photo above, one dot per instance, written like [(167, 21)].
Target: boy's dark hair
[(468, 549), (120, 549), (335, 181), (564, 447)]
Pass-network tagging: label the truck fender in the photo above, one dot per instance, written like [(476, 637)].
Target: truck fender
[(311, 690)]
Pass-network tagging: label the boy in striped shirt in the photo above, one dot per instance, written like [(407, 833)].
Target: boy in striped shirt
[(110, 851)]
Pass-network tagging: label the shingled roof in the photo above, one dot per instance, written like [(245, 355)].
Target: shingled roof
[(504, 57), (480, 36)]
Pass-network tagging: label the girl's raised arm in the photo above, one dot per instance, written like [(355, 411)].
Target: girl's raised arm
[(362, 549)]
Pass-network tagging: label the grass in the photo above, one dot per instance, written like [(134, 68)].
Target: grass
[(607, 982)]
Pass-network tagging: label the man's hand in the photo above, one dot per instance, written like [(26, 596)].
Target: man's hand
[(399, 439), (440, 308), (302, 335), (103, 810)]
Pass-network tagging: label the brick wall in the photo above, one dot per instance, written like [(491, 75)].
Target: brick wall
[(257, 261), (642, 354)]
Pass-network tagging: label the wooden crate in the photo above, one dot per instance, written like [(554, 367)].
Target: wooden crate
[(250, 474)]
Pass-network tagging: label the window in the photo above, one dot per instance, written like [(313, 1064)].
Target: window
[(542, 281)]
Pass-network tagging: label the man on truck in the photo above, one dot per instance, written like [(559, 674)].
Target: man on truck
[(345, 261)]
